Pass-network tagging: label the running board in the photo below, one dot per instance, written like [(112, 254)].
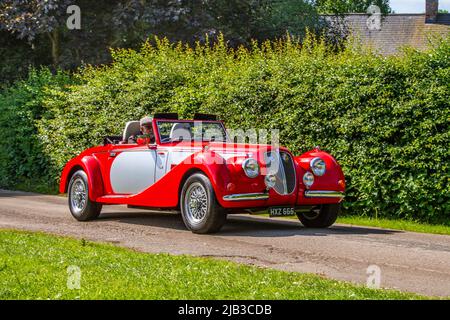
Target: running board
[(114, 198)]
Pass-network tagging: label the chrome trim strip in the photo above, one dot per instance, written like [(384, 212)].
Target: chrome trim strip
[(246, 196), (323, 194), (280, 174), (291, 158)]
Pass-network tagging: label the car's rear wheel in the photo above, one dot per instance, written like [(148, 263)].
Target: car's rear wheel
[(321, 216), (199, 208), (81, 207)]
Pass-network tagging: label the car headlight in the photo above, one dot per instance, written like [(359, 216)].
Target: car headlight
[(251, 167), (270, 180), (318, 166), (308, 179)]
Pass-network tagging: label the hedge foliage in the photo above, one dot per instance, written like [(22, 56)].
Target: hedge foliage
[(23, 162), (385, 119)]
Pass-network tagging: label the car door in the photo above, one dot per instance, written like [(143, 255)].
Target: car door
[(132, 168)]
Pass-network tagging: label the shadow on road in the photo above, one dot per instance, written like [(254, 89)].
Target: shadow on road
[(145, 218), (266, 227), (237, 225), (14, 194), (240, 225)]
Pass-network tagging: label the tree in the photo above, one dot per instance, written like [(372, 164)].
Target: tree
[(128, 23), (186, 20), (238, 20), (277, 17), (350, 6), (28, 19)]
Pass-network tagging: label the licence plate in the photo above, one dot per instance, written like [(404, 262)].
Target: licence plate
[(281, 211)]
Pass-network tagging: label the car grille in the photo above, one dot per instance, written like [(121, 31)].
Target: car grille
[(283, 169)]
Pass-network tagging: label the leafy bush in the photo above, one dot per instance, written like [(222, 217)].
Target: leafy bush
[(385, 119), (23, 164)]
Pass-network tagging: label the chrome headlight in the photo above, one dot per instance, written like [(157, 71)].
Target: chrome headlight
[(270, 180), (308, 179), (318, 166), (251, 167)]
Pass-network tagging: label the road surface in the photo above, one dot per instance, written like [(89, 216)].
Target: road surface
[(408, 261)]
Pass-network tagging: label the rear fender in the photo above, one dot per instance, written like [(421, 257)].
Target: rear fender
[(91, 166)]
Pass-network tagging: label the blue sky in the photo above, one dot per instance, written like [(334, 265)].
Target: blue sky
[(415, 6)]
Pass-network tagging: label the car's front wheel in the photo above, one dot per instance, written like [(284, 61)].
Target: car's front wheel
[(199, 208), (81, 207), (321, 216)]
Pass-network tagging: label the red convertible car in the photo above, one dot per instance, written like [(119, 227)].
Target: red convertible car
[(193, 166)]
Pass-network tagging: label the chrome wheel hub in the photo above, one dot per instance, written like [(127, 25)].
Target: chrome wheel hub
[(78, 195), (196, 202)]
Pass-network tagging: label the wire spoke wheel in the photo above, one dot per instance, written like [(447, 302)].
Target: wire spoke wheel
[(200, 210), (196, 202), (78, 195), (81, 207)]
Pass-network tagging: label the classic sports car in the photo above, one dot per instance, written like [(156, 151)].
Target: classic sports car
[(193, 166)]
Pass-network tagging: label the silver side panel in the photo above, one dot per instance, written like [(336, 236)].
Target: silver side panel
[(133, 172)]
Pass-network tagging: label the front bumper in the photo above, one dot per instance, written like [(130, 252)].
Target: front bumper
[(265, 196), (323, 194), (246, 196)]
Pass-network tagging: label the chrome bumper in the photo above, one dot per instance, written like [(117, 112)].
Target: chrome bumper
[(265, 196), (323, 194), (246, 196)]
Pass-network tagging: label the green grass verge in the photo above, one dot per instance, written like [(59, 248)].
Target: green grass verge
[(30, 185), (395, 224), (35, 266)]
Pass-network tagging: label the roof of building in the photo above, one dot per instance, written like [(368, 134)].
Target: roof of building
[(396, 30)]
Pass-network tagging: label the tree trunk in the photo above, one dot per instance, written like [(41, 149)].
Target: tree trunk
[(54, 39)]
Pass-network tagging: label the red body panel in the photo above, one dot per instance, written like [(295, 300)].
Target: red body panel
[(226, 176)]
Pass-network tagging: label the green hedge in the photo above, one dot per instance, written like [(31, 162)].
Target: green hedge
[(386, 120), (23, 163)]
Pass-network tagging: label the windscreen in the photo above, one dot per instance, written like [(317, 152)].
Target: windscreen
[(175, 131)]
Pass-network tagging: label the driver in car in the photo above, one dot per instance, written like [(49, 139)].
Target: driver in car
[(146, 136)]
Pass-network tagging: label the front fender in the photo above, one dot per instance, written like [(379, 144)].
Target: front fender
[(332, 180)]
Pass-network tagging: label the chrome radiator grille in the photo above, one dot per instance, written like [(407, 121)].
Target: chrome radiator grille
[(282, 166)]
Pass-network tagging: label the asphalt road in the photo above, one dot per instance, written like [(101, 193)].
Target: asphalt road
[(408, 261)]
